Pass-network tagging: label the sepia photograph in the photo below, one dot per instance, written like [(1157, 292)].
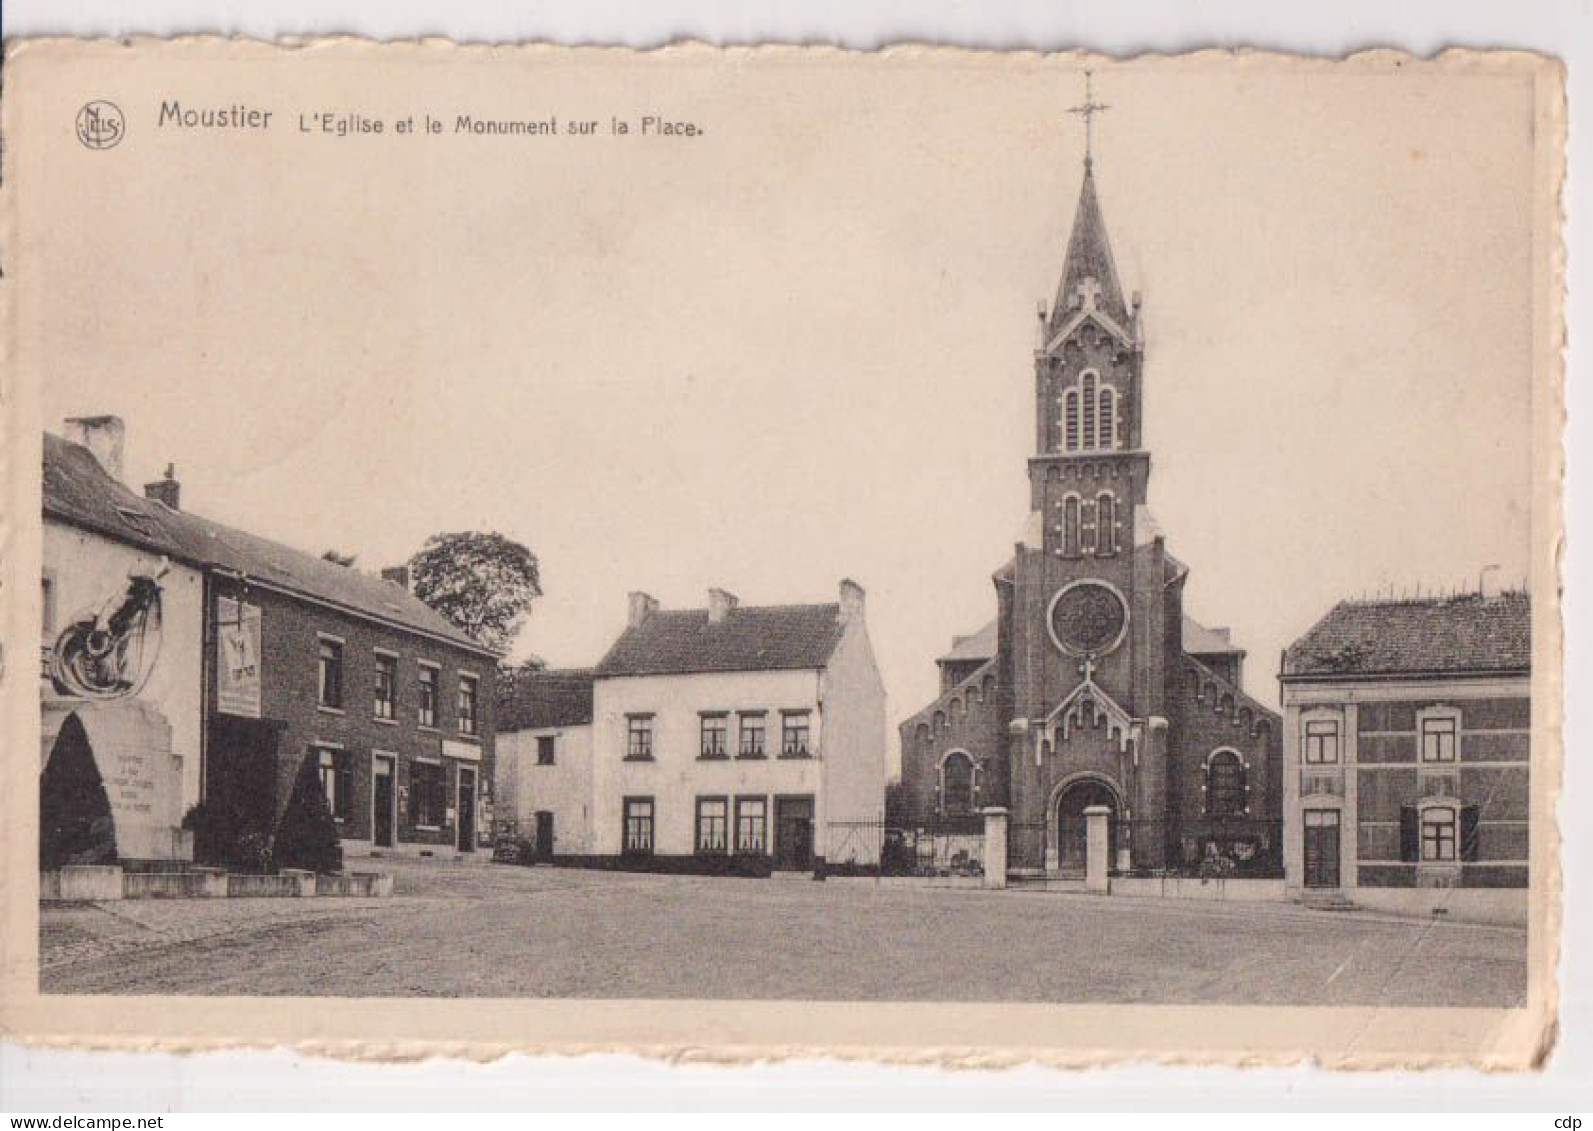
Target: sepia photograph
[(706, 534)]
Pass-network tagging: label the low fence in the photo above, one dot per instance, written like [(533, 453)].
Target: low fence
[(103, 883)]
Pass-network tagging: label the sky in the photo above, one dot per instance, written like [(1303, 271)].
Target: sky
[(800, 346)]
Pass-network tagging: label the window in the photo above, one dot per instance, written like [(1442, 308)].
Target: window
[(427, 795), (794, 734), (47, 594), (715, 737), (426, 713), (1438, 834), (467, 704), (331, 674), (336, 769), (1070, 416), (639, 825), (752, 824), (956, 784), (1106, 437), (752, 736), (1105, 525), (713, 824), (545, 743), (1320, 743), (1087, 395), (1225, 785), (1070, 526), (1438, 739), (386, 685), (639, 738)]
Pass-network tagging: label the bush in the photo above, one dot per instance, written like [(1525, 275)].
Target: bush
[(75, 823), (307, 836), (229, 836)]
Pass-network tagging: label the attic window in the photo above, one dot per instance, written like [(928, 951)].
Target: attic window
[(137, 520)]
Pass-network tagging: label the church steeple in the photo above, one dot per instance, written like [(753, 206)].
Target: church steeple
[(1089, 274)]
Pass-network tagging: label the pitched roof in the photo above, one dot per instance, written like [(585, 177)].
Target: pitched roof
[(1089, 255), (980, 645), (749, 638), (78, 490), (1470, 634), (556, 698)]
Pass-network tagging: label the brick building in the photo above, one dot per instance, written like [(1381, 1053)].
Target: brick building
[(284, 657), (1407, 739), (1091, 686)]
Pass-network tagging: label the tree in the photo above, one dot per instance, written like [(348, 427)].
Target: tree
[(307, 836), (484, 583)]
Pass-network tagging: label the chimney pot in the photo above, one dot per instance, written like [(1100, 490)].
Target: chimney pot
[(642, 606), (720, 602), (104, 436), (165, 490)]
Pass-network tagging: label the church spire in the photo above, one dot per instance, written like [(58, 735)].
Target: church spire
[(1088, 272)]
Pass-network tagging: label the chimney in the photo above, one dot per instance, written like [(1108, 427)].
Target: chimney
[(852, 601), (1488, 582), (720, 602), (104, 436), (398, 575), (642, 607), (165, 490)]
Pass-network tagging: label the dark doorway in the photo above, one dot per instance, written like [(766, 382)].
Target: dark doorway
[(793, 833), (240, 794), (544, 835), (467, 809), (1073, 828), (1321, 848), (75, 823), (383, 801)]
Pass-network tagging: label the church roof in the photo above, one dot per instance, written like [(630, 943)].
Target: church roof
[(1465, 635), (749, 638), (980, 645), (1089, 256)]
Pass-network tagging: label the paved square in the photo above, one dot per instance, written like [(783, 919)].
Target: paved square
[(502, 931)]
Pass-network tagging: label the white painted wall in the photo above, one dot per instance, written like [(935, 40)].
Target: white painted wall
[(85, 570), (677, 777), (563, 789), (855, 733)]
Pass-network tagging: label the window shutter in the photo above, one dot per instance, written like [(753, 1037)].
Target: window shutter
[(1468, 832), (1410, 841), (345, 786)]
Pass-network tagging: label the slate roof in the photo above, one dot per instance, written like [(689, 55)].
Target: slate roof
[(1089, 255), (78, 490), (1470, 635), (555, 698), (980, 645), (749, 638)]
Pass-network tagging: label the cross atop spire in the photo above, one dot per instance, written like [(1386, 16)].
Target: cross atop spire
[(1087, 110)]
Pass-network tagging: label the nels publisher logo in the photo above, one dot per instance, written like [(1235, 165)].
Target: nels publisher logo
[(100, 125)]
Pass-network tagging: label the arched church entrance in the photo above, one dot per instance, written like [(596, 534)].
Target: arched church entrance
[(1072, 827)]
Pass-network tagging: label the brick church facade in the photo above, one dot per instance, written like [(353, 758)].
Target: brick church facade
[(1091, 686)]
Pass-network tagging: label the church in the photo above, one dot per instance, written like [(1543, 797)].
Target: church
[(1091, 687)]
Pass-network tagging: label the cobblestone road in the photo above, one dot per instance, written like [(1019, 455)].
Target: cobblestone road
[(459, 930)]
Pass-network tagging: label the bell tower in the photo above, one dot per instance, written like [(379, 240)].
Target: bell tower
[(1090, 584)]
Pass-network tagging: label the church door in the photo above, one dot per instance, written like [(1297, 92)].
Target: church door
[(1072, 828)]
